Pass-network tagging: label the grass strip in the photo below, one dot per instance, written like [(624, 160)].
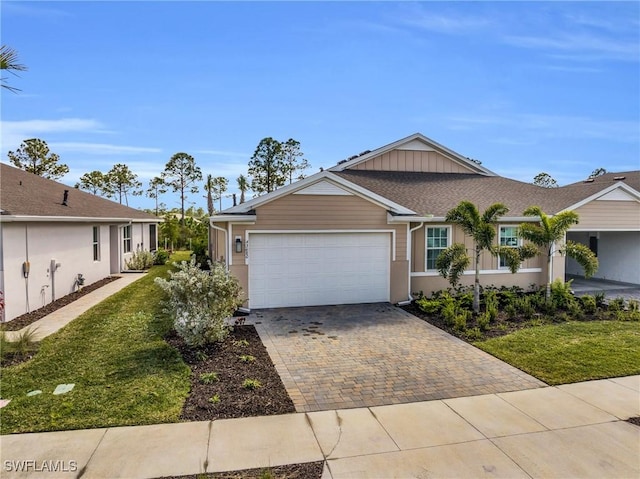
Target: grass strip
[(572, 351), (124, 372)]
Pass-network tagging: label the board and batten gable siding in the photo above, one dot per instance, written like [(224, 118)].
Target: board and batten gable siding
[(413, 160), (600, 215), (317, 213)]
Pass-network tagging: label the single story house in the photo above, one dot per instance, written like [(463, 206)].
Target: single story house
[(52, 234), (370, 229)]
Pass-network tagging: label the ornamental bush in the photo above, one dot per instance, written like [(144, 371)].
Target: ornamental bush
[(199, 301), (140, 260)]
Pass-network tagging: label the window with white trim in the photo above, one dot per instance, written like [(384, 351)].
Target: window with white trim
[(508, 239), (96, 243), (126, 236), (437, 240)]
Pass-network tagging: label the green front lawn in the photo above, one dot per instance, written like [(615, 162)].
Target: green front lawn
[(124, 372), (573, 351)]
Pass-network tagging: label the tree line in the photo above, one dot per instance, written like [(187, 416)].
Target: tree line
[(273, 165)]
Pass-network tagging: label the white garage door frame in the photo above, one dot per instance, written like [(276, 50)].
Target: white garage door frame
[(260, 302)]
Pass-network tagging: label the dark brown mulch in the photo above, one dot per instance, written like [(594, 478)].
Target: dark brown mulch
[(29, 318), (307, 470), (502, 326), (634, 420), (11, 359), (234, 399)]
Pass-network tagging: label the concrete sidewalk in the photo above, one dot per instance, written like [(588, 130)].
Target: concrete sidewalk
[(63, 316), (574, 430)]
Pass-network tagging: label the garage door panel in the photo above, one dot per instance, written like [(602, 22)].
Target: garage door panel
[(313, 269)]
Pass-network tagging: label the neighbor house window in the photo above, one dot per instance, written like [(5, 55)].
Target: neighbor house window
[(508, 239), (153, 238), (96, 243), (126, 235), (437, 242)]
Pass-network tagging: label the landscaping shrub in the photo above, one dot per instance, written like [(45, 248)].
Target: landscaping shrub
[(483, 320), (460, 320), (200, 301), (201, 253), (491, 305), (561, 294), (616, 304), (589, 304), (140, 260), (160, 256), (429, 306)]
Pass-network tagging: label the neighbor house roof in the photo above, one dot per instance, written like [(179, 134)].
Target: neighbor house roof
[(436, 193), (28, 196)]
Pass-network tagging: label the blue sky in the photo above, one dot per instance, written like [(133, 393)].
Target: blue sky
[(522, 87)]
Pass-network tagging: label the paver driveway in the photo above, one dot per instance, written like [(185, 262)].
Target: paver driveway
[(334, 357)]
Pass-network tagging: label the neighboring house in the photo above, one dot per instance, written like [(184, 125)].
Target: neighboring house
[(58, 233), (370, 229)]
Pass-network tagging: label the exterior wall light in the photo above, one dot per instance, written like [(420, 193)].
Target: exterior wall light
[(238, 243)]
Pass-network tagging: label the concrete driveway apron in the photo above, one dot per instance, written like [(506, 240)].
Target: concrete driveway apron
[(346, 356)]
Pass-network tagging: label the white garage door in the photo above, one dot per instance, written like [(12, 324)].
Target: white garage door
[(310, 269)]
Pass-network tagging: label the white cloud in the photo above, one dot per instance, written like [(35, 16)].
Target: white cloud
[(103, 148), (580, 46), (550, 126)]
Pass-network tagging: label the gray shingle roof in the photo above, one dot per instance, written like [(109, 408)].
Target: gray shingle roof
[(26, 194), (436, 193)]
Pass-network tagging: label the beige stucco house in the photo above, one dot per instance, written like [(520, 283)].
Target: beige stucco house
[(369, 229), (50, 233)]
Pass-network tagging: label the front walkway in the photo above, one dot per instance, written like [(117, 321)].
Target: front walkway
[(336, 357), (573, 430), (63, 316)]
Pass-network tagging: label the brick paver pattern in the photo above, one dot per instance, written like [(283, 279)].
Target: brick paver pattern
[(334, 357)]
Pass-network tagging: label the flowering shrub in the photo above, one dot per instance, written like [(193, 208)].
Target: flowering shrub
[(140, 260), (199, 301)]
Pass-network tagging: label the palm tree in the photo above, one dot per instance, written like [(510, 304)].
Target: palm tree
[(243, 186), (9, 62), (552, 230), (453, 261), (209, 187)]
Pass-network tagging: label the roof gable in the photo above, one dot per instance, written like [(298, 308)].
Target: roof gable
[(323, 188), (618, 191), (415, 153), (323, 181)]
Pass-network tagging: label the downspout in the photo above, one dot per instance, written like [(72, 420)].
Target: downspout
[(410, 257), (226, 240)]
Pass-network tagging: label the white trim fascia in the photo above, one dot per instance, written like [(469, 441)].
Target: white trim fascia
[(442, 219), (299, 185), (595, 196), (416, 136), (484, 271), (73, 219), (601, 230), (232, 219), (332, 231)]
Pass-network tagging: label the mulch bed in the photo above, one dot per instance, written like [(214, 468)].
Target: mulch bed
[(502, 326), (307, 470), (233, 399), (29, 318)]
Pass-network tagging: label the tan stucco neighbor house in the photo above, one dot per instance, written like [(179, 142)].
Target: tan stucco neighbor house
[(370, 229), (50, 233)]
